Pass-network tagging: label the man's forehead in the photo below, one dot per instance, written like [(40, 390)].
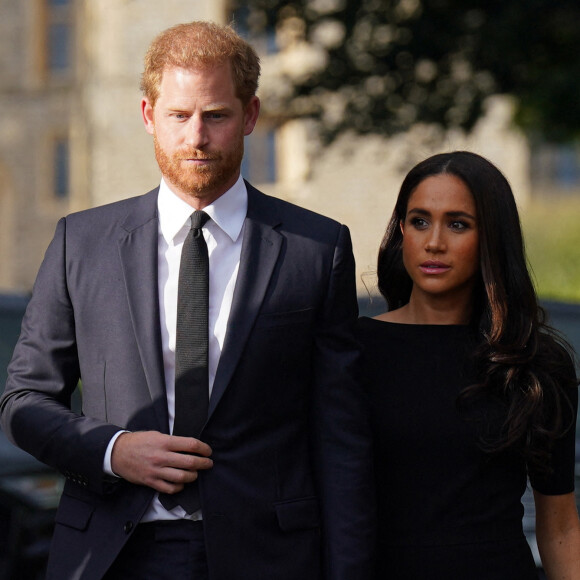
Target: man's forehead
[(180, 83), (197, 68)]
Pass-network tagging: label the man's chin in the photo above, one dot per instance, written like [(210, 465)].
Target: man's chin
[(198, 189)]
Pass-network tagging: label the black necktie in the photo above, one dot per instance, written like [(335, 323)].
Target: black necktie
[(191, 348)]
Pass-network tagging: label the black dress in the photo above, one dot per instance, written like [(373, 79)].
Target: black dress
[(447, 510)]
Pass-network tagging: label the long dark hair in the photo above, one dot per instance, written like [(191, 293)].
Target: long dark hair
[(524, 362)]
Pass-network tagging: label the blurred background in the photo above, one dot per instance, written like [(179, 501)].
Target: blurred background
[(354, 93)]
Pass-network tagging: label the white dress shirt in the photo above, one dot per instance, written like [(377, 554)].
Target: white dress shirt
[(223, 234)]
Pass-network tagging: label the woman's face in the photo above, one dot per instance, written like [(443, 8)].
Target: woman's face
[(441, 238)]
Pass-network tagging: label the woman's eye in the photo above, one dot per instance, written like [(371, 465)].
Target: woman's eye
[(418, 222), (458, 225)]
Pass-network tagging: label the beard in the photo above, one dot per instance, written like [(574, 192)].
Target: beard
[(200, 181)]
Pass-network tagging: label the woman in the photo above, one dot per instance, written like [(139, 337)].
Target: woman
[(470, 390)]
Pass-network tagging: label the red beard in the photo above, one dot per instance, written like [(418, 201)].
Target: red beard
[(199, 180)]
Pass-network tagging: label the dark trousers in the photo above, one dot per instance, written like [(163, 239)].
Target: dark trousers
[(166, 550)]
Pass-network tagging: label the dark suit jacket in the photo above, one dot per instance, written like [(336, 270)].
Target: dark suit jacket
[(289, 495)]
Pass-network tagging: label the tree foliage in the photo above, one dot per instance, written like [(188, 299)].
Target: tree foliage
[(390, 63)]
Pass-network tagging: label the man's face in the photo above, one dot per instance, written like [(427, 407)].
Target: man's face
[(198, 126)]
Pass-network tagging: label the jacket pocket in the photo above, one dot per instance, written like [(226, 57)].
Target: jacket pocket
[(298, 514), (274, 319), (74, 513)]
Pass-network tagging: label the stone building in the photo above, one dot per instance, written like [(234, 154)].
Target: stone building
[(71, 134)]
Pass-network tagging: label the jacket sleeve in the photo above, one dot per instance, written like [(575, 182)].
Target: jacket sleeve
[(343, 440), (44, 371)]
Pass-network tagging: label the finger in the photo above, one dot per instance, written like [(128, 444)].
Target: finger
[(169, 480), (189, 445), (177, 477), (163, 486), (189, 462)]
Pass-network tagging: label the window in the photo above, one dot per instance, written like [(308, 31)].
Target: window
[(60, 163), (259, 162), (57, 37), (58, 47)]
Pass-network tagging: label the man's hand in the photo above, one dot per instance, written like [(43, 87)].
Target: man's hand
[(164, 462)]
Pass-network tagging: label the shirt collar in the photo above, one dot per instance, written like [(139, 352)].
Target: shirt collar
[(228, 211)]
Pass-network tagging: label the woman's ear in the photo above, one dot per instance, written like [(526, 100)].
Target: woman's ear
[(402, 227)]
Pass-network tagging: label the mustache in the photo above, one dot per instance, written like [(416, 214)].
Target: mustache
[(197, 154)]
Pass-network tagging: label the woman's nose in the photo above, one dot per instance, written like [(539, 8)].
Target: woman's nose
[(435, 241)]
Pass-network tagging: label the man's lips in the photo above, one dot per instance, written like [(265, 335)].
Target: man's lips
[(193, 155), (199, 159), (434, 267)]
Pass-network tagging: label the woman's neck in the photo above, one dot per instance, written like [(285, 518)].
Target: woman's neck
[(431, 310)]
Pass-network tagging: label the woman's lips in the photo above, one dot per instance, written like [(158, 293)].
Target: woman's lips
[(434, 267)]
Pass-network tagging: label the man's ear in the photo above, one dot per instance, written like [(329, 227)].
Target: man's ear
[(251, 112), (147, 114)]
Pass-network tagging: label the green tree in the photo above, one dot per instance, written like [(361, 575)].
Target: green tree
[(391, 63)]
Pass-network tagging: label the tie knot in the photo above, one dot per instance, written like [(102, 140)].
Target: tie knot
[(198, 219)]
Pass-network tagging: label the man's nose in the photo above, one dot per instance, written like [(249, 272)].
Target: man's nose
[(197, 135)]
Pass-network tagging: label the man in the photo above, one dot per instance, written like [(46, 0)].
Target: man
[(277, 473)]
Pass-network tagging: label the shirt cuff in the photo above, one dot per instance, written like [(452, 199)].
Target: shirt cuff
[(109, 452)]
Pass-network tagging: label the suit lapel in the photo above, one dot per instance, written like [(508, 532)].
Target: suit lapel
[(260, 251), (138, 253)]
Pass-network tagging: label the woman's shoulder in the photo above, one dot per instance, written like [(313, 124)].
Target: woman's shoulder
[(370, 330), (367, 325), (556, 356), (380, 325)]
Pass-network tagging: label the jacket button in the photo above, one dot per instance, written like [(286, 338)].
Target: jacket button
[(128, 527)]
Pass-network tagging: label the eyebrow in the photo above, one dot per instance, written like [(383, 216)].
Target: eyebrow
[(213, 108), (216, 107), (420, 211)]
